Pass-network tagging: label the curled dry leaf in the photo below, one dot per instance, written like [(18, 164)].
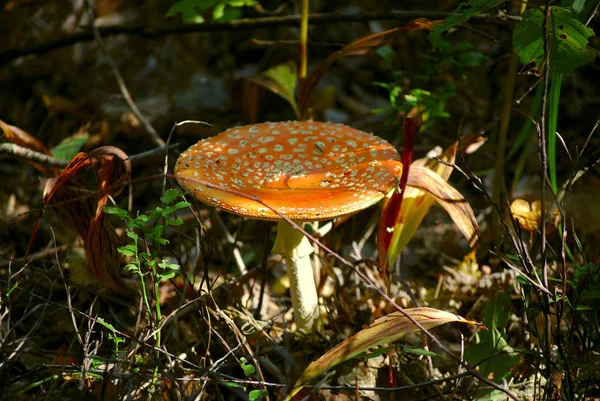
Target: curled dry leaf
[(112, 169), (384, 330)]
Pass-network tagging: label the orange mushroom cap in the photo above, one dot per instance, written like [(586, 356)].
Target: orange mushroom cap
[(305, 170)]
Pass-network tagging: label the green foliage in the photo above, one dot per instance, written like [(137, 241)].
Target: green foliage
[(69, 147), (430, 97), (146, 231), (492, 353), (249, 370), (222, 10), (568, 39), (465, 10)]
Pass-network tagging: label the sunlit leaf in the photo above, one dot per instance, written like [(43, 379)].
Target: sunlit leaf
[(449, 198), (387, 329), (528, 215), (280, 80), (568, 39)]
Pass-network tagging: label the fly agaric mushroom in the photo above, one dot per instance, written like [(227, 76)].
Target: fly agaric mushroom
[(307, 171)]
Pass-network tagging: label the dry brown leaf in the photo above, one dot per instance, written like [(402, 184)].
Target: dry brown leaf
[(19, 137), (112, 169)]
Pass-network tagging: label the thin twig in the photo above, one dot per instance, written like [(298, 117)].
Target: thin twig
[(124, 91), (236, 25)]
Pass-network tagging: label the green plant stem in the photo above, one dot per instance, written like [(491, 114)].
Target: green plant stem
[(155, 284), (303, 39), (553, 102)]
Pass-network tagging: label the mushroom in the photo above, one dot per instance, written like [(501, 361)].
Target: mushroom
[(307, 171)]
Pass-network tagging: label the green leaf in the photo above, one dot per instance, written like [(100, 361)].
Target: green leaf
[(169, 196), (462, 14), (418, 351), (190, 10), (373, 353), (218, 11), (256, 395), (248, 369), (165, 264), (568, 39), (69, 147), (280, 80), (132, 235), (175, 222), (132, 267), (157, 231), (117, 211), (128, 250), (233, 385), (167, 275), (181, 205), (161, 241)]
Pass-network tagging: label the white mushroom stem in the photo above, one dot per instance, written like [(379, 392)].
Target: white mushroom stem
[(296, 249)]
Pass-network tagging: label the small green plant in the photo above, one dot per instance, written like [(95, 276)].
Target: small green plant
[(249, 371), (146, 232), (429, 98)]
